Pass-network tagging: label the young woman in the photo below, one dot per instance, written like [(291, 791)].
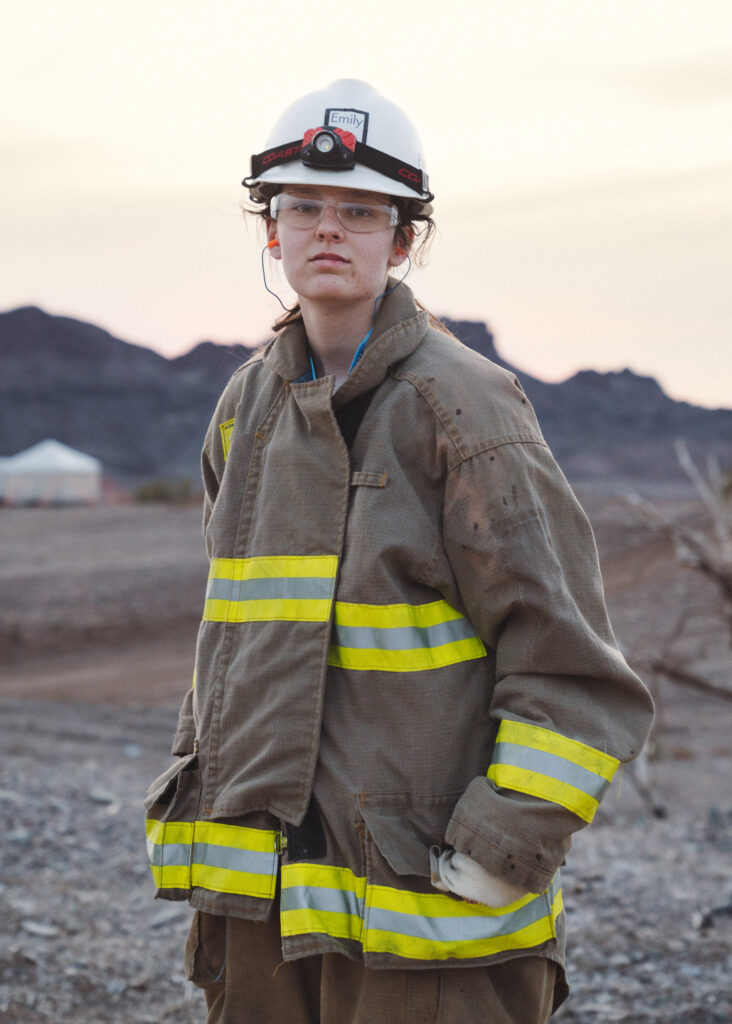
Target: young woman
[(407, 694)]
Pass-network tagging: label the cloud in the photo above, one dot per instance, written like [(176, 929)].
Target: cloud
[(706, 78), (684, 80), (608, 192)]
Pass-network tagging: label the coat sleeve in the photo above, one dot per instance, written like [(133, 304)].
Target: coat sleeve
[(213, 461), (567, 708)]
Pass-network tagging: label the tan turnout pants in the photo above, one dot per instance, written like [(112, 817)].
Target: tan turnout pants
[(239, 965)]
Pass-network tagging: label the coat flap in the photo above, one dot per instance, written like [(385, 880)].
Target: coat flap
[(165, 785), (405, 828)]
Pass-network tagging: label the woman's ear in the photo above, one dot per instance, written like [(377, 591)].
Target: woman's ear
[(397, 257), (272, 242), (402, 244)]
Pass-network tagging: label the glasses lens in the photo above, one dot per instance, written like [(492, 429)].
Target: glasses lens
[(295, 211), (301, 212), (365, 216)]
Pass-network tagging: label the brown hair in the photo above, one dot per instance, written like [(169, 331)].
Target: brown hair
[(414, 233)]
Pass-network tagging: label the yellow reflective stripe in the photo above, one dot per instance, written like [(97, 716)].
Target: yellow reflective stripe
[(318, 918), (161, 834), (242, 883), (557, 904), (401, 637), (414, 659), (213, 836), (321, 922), (286, 609), (176, 876), (542, 763), (425, 949), (154, 829), (509, 776), (538, 738), (226, 428), (229, 607), (428, 927), (171, 831), (323, 876), (436, 904), (211, 855), (274, 566), (389, 616), (239, 837), (419, 926)]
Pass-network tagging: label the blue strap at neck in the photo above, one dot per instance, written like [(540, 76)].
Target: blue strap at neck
[(359, 350), (310, 373)]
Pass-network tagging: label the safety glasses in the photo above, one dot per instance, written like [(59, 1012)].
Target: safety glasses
[(363, 217)]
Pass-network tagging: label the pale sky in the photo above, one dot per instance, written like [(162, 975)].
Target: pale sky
[(580, 152)]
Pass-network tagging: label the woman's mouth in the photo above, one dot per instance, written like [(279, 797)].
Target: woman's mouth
[(328, 259)]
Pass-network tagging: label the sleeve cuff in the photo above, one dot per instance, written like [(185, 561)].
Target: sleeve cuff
[(496, 831)]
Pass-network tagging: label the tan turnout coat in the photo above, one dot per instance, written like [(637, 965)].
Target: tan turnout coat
[(403, 645)]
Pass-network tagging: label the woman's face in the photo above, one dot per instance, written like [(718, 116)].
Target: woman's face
[(327, 263)]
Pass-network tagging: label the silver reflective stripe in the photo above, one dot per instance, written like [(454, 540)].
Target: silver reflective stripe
[(457, 929), (402, 638), (552, 765), (168, 854), (282, 587), (336, 901), (250, 861)]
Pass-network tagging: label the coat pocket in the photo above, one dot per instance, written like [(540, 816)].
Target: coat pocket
[(160, 799), (401, 829), (406, 917), (206, 948)]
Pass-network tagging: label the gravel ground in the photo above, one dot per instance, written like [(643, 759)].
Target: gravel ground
[(88, 703), (649, 899), (84, 941)]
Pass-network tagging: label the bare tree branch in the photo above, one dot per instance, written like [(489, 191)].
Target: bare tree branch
[(708, 551), (710, 555)]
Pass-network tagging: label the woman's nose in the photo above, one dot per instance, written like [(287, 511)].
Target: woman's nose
[(329, 223)]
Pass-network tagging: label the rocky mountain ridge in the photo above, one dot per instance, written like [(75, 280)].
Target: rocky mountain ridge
[(144, 415)]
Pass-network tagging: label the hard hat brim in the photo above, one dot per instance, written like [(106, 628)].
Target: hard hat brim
[(358, 178)]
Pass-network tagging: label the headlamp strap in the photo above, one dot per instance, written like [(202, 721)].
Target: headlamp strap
[(397, 170), (375, 159), (273, 157)]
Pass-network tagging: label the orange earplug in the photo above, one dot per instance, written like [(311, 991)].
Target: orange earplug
[(272, 244)]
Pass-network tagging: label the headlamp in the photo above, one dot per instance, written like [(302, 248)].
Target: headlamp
[(328, 149)]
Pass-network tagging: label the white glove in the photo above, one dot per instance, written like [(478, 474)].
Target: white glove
[(454, 872)]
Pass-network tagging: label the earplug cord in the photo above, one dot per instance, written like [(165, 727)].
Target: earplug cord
[(264, 277), (393, 287)]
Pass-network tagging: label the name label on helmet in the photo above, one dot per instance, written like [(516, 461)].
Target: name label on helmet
[(356, 121)]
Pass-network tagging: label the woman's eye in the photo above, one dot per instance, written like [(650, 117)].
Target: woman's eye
[(304, 207), (358, 212)]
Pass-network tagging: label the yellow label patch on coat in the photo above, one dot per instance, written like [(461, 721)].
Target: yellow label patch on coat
[(226, 431)]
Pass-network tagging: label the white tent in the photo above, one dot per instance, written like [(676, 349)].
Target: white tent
[(50, 473)]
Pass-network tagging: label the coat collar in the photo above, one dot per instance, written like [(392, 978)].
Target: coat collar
[(398, 329)]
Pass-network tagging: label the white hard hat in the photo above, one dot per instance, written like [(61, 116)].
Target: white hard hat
[(347, 135)]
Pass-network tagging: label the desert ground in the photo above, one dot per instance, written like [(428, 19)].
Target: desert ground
[(98, 624)]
